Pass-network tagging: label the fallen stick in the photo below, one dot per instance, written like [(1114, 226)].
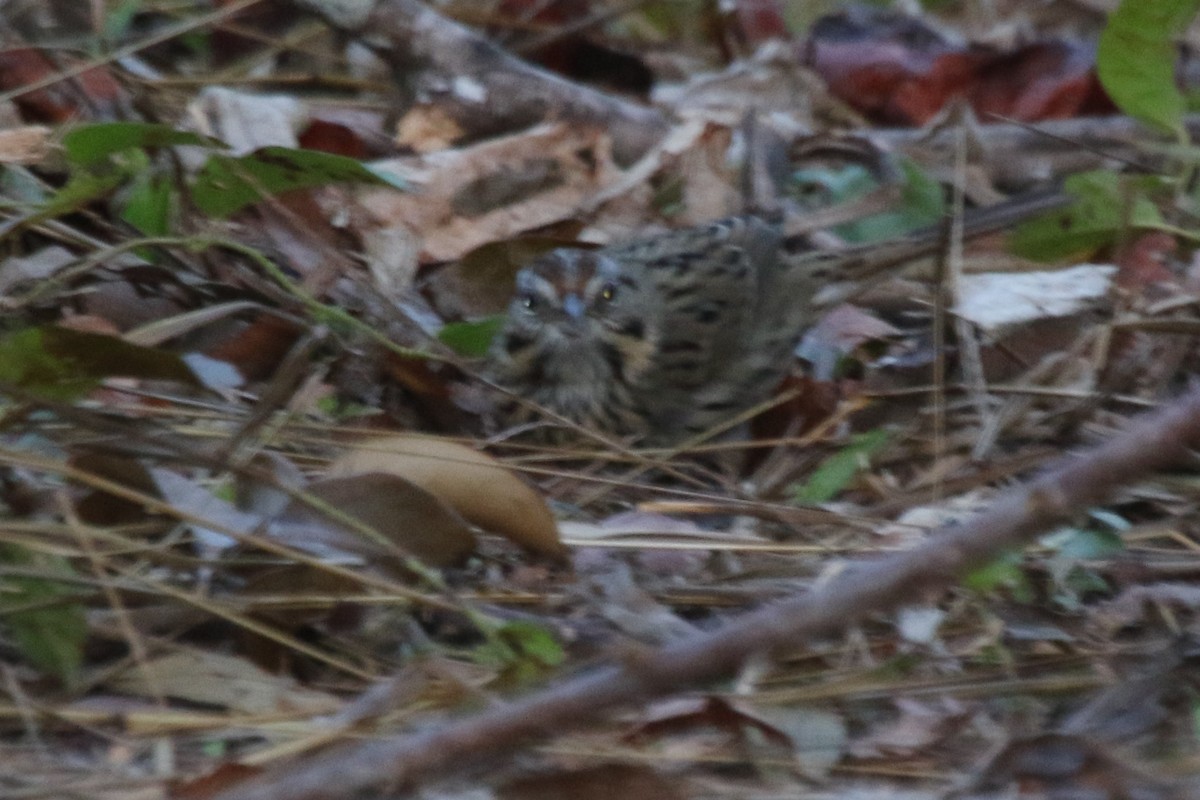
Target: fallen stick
[(484, 88), (1157, 441)]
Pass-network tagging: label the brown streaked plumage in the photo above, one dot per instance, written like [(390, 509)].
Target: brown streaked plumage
[(665, 337)]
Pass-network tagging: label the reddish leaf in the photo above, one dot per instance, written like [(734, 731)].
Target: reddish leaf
[(224, 777), (93, 94), (257, 349), (895, 69), (330, 137), (425, 385), (1142, 262), (888, 66), (101, 508), (814, 401), (760, 21), (1044, 80)]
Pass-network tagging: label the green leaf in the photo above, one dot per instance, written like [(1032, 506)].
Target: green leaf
[(227, 184), (344, 410), (88, 145), (471, 338), (922, 202), (521, 649), (535, 642), (1093, 221), (149, 203), (62, 364), (1075, 584), (198, 44), (1003, 573), (821, 186), (1077, 544), (49, 631), (82, 188), (119, 19), (835, 473), (1136, 59), (901, 665), (215, 748), (1072, 547)]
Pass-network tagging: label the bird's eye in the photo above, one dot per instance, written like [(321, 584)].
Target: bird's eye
[(608, 292), (528, 301)]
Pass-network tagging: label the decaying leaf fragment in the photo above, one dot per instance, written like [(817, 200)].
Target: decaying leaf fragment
[(472, 483), (493, 190)]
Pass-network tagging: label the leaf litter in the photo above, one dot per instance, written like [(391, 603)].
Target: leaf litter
[(234, 511)]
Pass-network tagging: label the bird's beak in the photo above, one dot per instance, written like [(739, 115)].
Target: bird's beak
[(574, 306)]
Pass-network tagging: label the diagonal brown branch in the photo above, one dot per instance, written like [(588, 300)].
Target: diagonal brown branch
[(1157, 441), (484, 88)]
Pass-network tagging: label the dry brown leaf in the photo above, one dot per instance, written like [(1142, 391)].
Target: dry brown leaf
[(483, 281), (157, 331), (491, 191), (709, 188), (470, 482), (918, 727), (601, 782), (227, 775), (427, 128), (102, 508), (26, 145), (411, 518), (224, 681), (682, 138)]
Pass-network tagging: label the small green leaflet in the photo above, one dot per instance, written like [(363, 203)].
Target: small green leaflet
[(1084, 544), (521, 649), (89, 145), (1005, 572), (1136, 58), (148, 204), (227, 184), (472, 338), (62, 364), (47, 629), (921, 204), (1093, 221), (836, 472)]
